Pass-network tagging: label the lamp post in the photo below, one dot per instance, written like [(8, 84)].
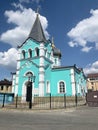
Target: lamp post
[(31, 79), (75, 85)]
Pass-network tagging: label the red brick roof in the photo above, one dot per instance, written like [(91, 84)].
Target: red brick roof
[(92, 75)]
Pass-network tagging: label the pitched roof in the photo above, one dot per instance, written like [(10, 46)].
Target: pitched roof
[(37, 31), (5, 82)]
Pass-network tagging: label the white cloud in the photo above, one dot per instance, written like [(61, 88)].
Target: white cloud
[(86, 49), (91, 68), (23, 20), (86, 31), (72, 44), (18, 6), (8, 59)]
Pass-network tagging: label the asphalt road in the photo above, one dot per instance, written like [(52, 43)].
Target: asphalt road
[(82, 118)]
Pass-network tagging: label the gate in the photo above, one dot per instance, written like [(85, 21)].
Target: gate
[(92, 99)]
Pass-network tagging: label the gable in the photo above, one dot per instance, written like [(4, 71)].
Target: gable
[(29, 43)]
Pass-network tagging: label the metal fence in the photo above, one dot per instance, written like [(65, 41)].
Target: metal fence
[(92, 98), (47, 102)]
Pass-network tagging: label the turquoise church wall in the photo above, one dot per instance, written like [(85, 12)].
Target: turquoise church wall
[(53, 75), (23, 79), (28, 64), (61, 75)]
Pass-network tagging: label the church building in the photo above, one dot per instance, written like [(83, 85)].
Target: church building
[(39, 58)]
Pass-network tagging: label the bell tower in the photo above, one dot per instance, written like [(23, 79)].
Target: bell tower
[(37, 34)]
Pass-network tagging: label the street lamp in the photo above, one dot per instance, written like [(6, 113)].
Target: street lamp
[(75, 85), (31, 79)]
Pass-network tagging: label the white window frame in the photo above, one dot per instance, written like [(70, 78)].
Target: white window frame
[(59, 87)]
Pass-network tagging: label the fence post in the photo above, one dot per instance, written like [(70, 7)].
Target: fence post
[(16, 100), (64, 100), (50, 100), (3, 100), (86, 98), (76, 100)]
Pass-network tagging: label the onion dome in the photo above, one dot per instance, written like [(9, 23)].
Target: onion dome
[(56, 51)]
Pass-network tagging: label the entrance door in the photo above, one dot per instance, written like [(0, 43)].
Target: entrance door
[(29, 92)]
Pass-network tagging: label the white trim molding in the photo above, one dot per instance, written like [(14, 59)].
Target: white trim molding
[(73, 82)]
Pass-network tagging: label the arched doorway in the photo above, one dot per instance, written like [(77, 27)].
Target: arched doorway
[(24, 91), (25, 86)]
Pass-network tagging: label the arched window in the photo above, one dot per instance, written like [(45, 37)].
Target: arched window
[(23, 54), (61, 87), (37, 51), (30, 53)]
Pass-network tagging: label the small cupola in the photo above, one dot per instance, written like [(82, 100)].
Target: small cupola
[(56, 51)]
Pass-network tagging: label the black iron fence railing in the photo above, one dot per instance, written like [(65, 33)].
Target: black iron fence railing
[(47, 102)]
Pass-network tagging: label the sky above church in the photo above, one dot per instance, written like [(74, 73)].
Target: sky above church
[(72, 23)]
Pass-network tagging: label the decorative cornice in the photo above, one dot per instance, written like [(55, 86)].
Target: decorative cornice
[(26, 64)]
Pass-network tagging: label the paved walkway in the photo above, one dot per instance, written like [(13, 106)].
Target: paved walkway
[(80, 118)]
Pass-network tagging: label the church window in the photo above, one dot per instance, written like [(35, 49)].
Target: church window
[(46, 52), (30, 53), (55, 61), (61, 87), (37, 51), (23, 54)]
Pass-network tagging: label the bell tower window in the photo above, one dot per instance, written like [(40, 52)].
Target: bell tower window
[(37, 51), (23, 54), (30, 53)]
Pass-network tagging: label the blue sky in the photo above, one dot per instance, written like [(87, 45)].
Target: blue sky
[(72, 23)]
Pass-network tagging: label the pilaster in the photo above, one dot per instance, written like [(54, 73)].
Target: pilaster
[(41, 70)]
